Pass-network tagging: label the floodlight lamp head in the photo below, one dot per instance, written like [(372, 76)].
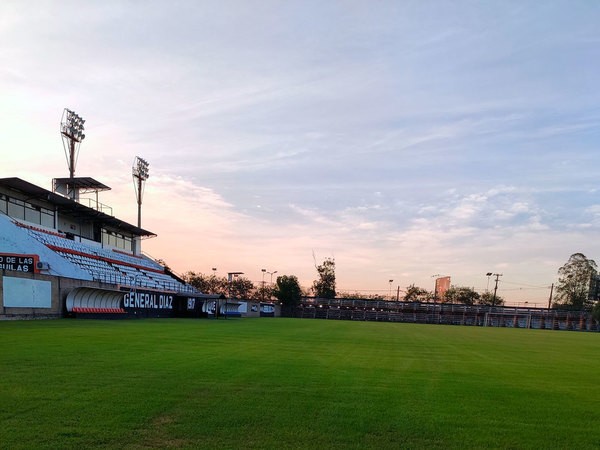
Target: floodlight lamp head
[(72, 125), (71, 129), (140, 168)]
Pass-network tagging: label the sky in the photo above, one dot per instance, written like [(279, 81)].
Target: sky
[(405, 139)]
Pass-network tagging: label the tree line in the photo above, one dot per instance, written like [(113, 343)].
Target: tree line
[(286, 290), (577, 288)]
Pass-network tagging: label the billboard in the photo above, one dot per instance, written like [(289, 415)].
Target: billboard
[(18, 263)]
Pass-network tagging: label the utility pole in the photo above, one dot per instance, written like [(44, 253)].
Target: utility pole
[(435, 287), (550, 299), (497, 275), (230, 277)]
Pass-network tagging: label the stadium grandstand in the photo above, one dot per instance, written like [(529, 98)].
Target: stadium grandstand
[(63, 254), (59, 257)]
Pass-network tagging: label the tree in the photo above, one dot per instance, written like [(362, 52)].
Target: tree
[(324, 287), (461, 294), (416, 294), (207, 284), (163, 263), (263, 293), (596, 312), (572, 289), (240, 288), (487, 299), (288, 292)]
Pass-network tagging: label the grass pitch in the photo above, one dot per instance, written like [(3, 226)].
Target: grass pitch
[(273, 383)]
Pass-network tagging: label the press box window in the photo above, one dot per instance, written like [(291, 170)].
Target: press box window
[(47, 217), (32, 213), (16, 208)]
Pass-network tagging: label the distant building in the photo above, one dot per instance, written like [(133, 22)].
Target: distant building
[(441, 286)]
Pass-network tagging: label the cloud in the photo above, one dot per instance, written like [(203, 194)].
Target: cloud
[(403, 141)]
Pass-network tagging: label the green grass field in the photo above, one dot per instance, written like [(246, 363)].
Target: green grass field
[(272, 383)]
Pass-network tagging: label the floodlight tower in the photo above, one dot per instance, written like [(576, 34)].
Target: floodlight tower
[(140, 175), (71, 130)]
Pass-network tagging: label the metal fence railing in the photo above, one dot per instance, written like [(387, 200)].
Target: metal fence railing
[(446, 314)]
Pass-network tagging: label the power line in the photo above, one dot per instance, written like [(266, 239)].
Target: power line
[(526, 288), (525, 284)]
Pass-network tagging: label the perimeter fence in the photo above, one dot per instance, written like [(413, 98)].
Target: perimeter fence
[(446, 314)]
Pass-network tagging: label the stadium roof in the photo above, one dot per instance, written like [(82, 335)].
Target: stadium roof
[(85, 184), (66, 205)]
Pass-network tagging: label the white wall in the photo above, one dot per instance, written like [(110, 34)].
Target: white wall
[(26, 293)]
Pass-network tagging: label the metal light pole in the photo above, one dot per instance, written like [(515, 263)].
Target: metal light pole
[(391, 281), (488, 275), (271, 273), (435, 286), (264, 271), (230, 277), (71, 130), (140, 174)]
